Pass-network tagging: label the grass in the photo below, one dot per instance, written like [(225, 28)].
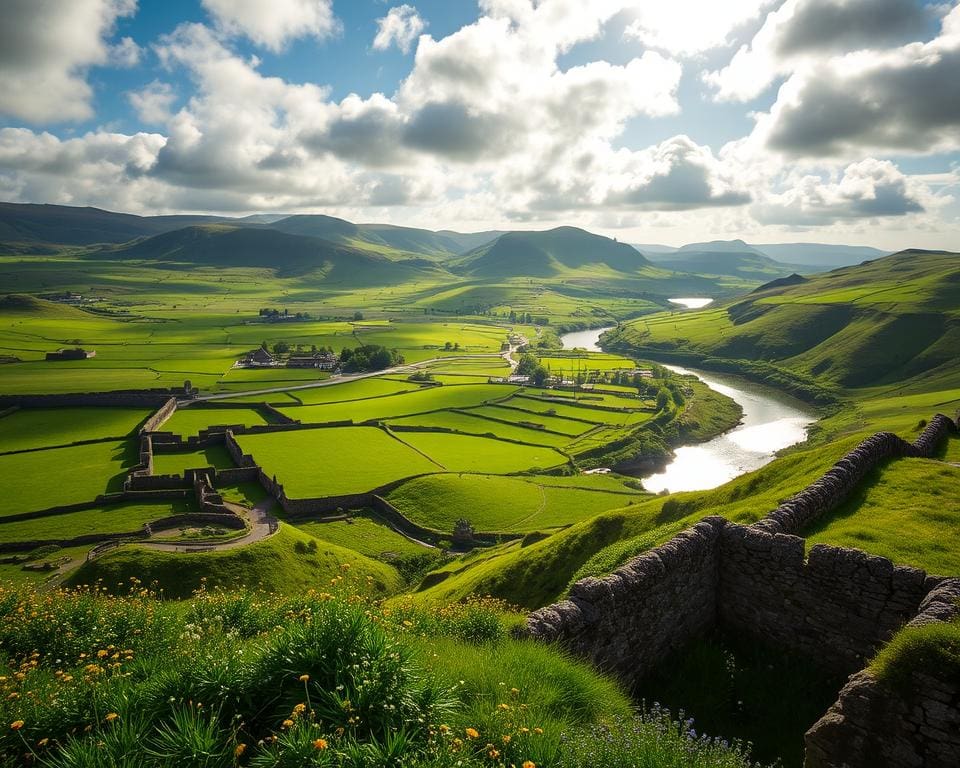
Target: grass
[(304, 682), (493, 503), (285, 563), (355, 390), (335, 461), (464, 453), (553, 423), (404, 404), (127, 517), (364, 533), (55, 476), (216, 456), (472, 422), (929, 649), (907, 510), (189, 421), (38, 428), (245, 494)]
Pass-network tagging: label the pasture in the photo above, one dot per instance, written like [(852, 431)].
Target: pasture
[(42, 427), (334, 461), (215, 456), (471, 422), (365, 534), (189, 421), (41, 479), (464, 453), (508, 504), (354, 390), (553, 423)]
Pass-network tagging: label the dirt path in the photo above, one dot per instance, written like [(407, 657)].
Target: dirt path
[(262, 525)]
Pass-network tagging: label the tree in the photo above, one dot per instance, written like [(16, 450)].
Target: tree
[(357, 316), (281, 347), (527, 365), (663, 397), (540, 375)]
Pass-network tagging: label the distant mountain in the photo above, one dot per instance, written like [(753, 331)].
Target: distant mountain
[(820, 254), (646, 248), (262, 218), (731, 258), (67, 225), (467, 241), (719, 246), (236, 246), (549, 253)]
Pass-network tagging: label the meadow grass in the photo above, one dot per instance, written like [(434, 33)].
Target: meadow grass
[(355, 390), (37, 428), (465, 453), (126, 517), (907, 510), (553, 423), (288, 563), (41, 479), (493, 503), (216, 456), (247, 494), (334, 461), (364, 533), (927, 649), (471, 422), (564, 410), (189, 421)]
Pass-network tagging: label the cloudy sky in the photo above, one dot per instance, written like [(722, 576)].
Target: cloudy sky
[(654, 121)]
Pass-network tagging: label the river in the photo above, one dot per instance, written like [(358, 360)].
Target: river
[(771, 421)]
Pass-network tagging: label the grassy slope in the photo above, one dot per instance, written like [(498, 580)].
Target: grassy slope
[(273, 564), (59, 426)]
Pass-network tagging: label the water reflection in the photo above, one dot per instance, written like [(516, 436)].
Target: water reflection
[(691, 303)]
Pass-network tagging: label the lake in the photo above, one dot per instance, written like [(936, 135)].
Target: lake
[(771, 422)]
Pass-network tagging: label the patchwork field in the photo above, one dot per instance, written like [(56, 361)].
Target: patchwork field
[(334, 461), (113, 518), (41, 479), (553, 423), (37, 428), (504, 503), (471, 422), (364, 534), (189, 421), (175, 463), (463, 453)]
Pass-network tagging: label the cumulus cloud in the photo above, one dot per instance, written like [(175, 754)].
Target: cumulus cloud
[(126, 53), (869, 189), (904, 99), (402, 25), (152, 103), (274, 24), (666, 24), (46, 48), (801, 31)]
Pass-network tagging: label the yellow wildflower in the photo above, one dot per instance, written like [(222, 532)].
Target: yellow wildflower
[(472, 733), (16, 725), (320, 744), (111, 716)]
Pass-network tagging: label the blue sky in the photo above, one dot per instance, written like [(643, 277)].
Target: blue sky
[(648, 120)]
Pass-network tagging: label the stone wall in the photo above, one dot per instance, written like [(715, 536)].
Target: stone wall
[(156, 421), (630, 620), (133, 398), (913, 725)]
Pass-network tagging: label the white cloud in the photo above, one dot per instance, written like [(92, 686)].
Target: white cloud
[(687, 27), (275, 23), (402, 25), (152, 103), (46, 48), (126, 53), (804, 31)]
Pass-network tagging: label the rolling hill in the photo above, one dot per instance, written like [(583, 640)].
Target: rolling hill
[(893, 320), (233, 246), (549, 254), (735, 259), (68, 225)]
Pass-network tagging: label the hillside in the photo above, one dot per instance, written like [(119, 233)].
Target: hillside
[(821, 255), (748, 264), (232, 246), (894, 320), (547, 254), (67, 225)]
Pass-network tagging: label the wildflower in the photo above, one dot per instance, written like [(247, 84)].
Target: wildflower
[(111, 716), (492, 752), (43, 742), (304, 678), (320, 744), (506, 738), (299, 709), (16, 725), (529, 764), (503, 707), (444, 729), (241, 748), (288, 723), (538, 731), (472, 733)]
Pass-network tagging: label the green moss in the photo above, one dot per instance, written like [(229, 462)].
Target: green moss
[(931, 649)]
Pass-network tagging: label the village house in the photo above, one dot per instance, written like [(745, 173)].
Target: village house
[(77, 353), (324, 361), (259, 357)]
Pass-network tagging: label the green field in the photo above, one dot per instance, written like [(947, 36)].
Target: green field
[(189, 421), (41, 479), (502, 503), (335, 461), (365, 534), (127, 517), (464, 453), (404, 404), (552, 423), (216, 456), (354, 390), (471, 422), (38, 428)]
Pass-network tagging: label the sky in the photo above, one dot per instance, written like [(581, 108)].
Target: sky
[(652, 121)]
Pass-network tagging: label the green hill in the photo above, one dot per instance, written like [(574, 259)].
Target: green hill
[(233, 246), (67, 225), (747, 264), (548, 254), (895, 320)]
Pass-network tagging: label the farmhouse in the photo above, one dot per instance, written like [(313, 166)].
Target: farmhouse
[(77, 353), (258, 357), (324, 361)]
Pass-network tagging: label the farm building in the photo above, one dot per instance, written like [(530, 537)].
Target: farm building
[(324, 361), (77, 353), (259, 356)]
